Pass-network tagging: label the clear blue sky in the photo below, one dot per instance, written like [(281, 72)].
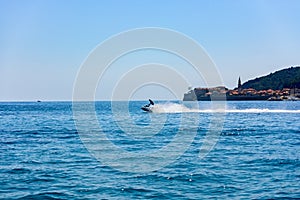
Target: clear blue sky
[(43, 43)]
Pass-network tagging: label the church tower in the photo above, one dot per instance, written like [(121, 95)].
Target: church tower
[(239, 85)]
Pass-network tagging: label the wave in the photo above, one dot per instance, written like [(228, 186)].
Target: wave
[(264, 110), (179, 108)]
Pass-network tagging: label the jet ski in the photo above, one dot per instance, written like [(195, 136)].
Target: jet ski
[(148, 107)]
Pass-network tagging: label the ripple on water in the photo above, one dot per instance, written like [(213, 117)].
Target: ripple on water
[(42, 156)]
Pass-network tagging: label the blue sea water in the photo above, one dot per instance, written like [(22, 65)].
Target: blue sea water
[(257, 155)]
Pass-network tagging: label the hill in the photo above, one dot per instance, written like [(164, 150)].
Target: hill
[(286, 78)]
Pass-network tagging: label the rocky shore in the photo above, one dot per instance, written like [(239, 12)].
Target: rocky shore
[(238, 94)]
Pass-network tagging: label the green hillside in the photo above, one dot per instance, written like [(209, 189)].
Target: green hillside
[(286, 78)]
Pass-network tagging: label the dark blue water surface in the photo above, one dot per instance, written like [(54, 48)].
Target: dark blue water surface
[(257, 155)]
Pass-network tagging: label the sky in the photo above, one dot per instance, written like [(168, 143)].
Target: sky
[(44, 43)]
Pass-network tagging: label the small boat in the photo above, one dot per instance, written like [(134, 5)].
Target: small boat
[(274, 99), (291, 98)]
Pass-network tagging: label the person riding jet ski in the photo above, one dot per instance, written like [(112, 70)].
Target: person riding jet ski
[(147, 107)]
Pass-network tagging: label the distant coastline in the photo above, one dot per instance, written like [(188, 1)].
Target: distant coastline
[(279, 86)]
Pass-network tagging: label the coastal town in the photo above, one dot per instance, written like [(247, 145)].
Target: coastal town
[(223, 93)]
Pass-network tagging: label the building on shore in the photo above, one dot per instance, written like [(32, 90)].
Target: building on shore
[(239, 85), (295, 92)]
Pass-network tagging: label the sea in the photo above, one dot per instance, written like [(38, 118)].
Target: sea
[(182, 150)]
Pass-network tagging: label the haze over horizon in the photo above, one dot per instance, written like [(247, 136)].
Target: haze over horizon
[(44, 43)]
